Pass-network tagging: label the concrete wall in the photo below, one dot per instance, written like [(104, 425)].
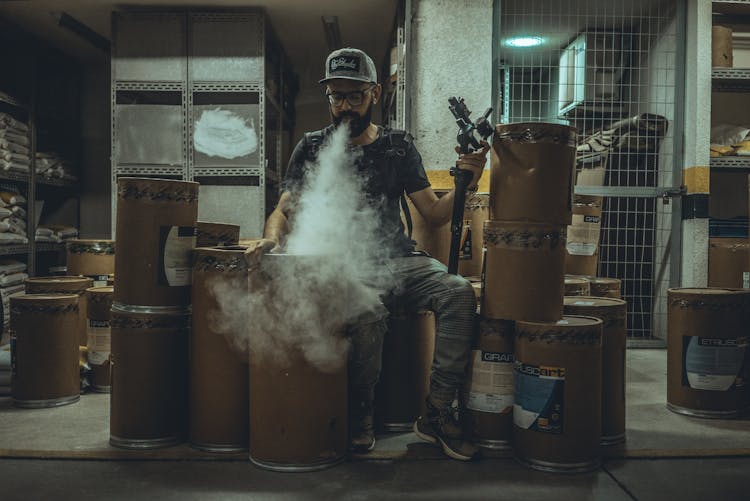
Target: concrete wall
[(450, 54)]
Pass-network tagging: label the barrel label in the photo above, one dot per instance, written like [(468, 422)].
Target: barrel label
[(583, 235), (99, 280), (177, 244), (746, 279), (98, 343), (714, 364), (539, 392), (490, 385)]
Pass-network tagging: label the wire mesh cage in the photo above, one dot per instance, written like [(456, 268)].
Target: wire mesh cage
[(609, 69)]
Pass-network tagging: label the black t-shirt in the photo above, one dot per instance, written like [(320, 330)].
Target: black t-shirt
[(391, 166)]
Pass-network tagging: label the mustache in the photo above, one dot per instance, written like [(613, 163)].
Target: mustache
[(348, 114)]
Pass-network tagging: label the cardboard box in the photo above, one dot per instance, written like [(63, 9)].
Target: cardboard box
[(727, 261)]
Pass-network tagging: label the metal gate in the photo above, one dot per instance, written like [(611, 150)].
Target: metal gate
[(610, 69)]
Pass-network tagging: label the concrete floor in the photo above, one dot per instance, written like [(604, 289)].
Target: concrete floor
[(666, 456)]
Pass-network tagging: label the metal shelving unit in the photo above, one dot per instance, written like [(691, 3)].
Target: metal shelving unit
[(215, 60), (731, 162), (730, 79)]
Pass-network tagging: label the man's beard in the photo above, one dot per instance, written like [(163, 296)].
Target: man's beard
[(357, 124)]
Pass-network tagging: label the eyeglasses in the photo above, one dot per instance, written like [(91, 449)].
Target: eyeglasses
[(354, 98)]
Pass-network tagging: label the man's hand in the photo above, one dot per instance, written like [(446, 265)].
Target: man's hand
[(473, 162), (256, 249)]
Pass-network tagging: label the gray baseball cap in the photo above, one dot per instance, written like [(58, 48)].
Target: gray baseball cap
[(350, 64)]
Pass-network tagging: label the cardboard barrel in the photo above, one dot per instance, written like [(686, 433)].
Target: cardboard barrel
[(65, 285), (524, 271), (298, 413), (149, 378), (728, 260), (218, 370), (489, 386), (155, 236), (708, 365), (408, 348), (298, 409), (476, 212), (613, 313), (606, 287), (558, 387), (99, 344), (577, 286), (91, 258), (215, 234), (44, 350), (532, 172)]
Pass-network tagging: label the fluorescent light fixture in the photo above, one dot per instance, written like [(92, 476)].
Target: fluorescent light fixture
[(524, 41), (332, 32)]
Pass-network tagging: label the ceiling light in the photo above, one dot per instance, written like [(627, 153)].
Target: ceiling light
[(524, 41)]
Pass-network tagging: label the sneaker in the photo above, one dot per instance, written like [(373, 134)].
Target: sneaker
[(440, 426), (361, 429)]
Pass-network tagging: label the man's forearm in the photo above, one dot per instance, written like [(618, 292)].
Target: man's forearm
[(276, 226)]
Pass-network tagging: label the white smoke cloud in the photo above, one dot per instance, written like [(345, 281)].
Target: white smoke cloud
[(329, 276)]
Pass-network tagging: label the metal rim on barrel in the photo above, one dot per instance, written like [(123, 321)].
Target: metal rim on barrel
[(140, 444), (685, 411), (44, 404), (584, 467), (225, 448), (317, 466), (150, 310)]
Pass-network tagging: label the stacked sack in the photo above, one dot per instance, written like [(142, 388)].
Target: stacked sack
[(55, 233), (14, 145), (52, 165), (12, 218), (12, 277)]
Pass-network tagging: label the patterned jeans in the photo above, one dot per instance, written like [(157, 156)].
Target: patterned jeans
[(422, 283)]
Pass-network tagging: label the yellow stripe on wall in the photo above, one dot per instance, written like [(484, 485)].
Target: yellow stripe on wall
[(442, 180), (696, 179)]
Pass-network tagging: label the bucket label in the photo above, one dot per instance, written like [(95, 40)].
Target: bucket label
[(713, 364), (539, 398), (490, 382), (177, 244), (99, 341), (583, 235)]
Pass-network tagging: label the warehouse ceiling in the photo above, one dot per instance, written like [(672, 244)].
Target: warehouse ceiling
[(363, 23)]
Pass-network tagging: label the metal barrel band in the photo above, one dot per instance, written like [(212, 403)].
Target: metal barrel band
[(702, 413), (47, 403), (554, 467), (141, 444), (220, 448), (150, 310), (280, 467), (609, 440), (495, 445), (398, 427)]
